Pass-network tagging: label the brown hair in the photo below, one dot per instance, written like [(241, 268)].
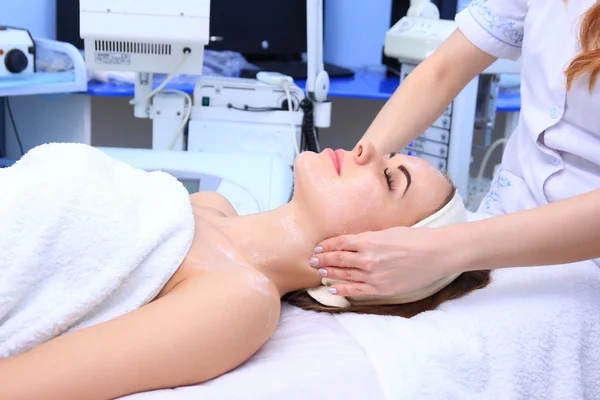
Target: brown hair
[(464, 284), (588, 60)]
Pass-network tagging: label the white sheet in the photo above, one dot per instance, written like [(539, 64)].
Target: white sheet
[(471, 348), (310, 357), (534, 333)]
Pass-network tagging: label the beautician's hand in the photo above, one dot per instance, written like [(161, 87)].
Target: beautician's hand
[(389, 262)]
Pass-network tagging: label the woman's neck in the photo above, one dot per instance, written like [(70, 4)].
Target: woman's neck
[(278, 243)]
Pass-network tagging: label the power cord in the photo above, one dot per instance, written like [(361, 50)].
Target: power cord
[(309, 132), (284, 81), (14, 125), (186, 115), (486, 157), (286, 87), (479, 186), (161, 89)]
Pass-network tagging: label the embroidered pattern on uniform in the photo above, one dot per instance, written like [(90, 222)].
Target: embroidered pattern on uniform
[(494, 194), (505, 30)]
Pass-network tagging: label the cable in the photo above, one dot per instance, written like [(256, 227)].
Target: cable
[(168, 79), (286, 87), (14, 125), (161, 89), (487, 155), (252, 109), (309, 132), (186, 115)]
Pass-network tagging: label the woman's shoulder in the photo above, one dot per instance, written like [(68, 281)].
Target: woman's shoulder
[(215, 201)]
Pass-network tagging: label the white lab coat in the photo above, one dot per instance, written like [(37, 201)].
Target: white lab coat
[(554, 152)]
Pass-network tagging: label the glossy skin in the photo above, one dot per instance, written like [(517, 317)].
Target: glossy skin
[(359, 198), (223, 303)]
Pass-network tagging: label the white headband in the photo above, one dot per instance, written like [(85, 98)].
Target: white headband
[(452, 213)]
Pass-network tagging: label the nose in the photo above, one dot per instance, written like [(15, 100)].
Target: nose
[(364, 152)]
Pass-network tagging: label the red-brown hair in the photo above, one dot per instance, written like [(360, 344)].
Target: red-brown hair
[(461, 286), (588, 60)]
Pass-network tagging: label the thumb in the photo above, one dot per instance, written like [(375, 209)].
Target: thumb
[(339, 243)]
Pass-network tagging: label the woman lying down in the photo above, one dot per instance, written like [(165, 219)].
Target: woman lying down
[(116, 281)]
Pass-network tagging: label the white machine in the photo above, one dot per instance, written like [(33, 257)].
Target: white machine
[(264, 182), (447, 144), (150, 36), (246, 116), (17, 52), (154, 36), (243, 132)]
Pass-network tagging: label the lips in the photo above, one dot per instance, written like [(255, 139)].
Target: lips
[(340, 160), (335, 159)]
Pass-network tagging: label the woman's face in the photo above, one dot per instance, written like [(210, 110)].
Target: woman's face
[(362, 190)]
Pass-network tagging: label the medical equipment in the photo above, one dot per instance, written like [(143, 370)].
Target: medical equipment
[(134, 43), (246, 116), (17, 52), (447, 144), (149, 37), (252, 183), (253, 116)]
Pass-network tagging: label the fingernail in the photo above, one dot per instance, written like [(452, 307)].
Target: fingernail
[(322, 272), (318, 249), (332, 290), (314, 262)]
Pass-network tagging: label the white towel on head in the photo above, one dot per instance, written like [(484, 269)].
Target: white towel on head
[(452, 213), (83, 239)]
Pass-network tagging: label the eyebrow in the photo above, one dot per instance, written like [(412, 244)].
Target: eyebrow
[(403, 169)]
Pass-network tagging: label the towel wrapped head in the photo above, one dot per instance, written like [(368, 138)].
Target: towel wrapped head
[(453, 212)]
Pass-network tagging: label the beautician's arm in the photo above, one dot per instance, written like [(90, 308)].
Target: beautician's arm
[(426, 92), (563, 232), (402, 259)]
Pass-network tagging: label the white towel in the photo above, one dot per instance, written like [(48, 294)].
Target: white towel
[(83, 239)]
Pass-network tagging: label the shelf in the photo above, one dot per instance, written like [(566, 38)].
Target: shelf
[(49, 83), (366, 84)]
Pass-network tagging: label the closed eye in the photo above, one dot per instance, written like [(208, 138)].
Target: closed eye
[(388, 178)]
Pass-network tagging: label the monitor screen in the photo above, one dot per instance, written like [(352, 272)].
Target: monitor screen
[(259, 27), (254, 28)]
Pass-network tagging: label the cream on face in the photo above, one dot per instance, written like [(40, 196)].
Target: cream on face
[(370, 191)]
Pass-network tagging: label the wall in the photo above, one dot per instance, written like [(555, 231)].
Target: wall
[(355, 31), (39, 16)]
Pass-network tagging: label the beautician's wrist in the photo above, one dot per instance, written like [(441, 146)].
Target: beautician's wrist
[(457, 244)]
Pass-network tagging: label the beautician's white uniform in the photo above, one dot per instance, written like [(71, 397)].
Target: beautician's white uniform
[(555, 151)]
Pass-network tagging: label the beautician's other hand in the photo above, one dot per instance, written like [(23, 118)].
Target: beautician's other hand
[(394, 261)]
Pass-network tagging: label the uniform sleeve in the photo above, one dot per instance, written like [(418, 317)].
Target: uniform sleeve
[(495, 26)]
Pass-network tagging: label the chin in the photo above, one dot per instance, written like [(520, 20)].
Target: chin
[(306, 166)]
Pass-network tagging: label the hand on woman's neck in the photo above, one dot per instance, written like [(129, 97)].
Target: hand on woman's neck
[(278, 243)]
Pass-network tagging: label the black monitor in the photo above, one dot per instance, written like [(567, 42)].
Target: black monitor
[(271, 34), (259, 29)]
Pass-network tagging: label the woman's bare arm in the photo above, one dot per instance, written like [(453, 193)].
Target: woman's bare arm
[(200, 330), (426, 92)]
